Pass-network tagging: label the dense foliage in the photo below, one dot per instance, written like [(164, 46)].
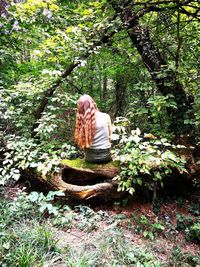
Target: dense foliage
[(136, 59), (139, 60), (145, 161)]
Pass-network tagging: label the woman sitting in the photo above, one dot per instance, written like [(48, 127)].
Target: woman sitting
[(93, 131)]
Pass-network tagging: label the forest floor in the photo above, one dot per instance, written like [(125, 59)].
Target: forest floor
[(126, 233)]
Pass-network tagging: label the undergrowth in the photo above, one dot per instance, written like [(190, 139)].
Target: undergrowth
[(36, 230)]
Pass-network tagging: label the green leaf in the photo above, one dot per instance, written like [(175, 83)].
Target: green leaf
[(6, 245), (145, 233), (16, 176), (158, 226)]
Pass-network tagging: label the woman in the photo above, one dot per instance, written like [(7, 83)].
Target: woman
[(93, 131)]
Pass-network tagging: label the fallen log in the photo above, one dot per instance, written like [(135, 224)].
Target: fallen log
[(105, 190), (80, 172), (81, 180)]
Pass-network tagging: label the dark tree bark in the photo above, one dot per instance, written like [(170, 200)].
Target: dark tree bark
[(120, 95), (49, 93), (104, 88), (91, 77), (165, 79)]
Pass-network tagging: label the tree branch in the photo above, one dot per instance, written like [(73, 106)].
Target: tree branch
[(105, 38), (177, 60), (154, 7), (165, 79), (49, 93), (161, 3), (79, 90)]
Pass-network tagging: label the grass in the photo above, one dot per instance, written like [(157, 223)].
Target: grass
[(83, 237)]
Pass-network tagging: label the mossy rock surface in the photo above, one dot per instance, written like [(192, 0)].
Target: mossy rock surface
[(80, 172), (82, 164)]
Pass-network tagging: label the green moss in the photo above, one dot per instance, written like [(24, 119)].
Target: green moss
[(81, 163)]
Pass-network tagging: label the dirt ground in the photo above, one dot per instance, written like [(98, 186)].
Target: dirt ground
[(92, 226)]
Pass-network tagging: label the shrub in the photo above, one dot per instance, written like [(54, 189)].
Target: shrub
[(145, 160), (194, 232)]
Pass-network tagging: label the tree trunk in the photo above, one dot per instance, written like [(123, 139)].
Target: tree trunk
[(165, 79), (80, 180), (83, 181), (104, 86), (82, 173), (49, 93), (90, 78), (120, 95)]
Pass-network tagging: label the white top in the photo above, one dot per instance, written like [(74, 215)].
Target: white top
[(101, 138)]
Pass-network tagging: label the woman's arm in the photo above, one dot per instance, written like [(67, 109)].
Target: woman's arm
[(109, 128)]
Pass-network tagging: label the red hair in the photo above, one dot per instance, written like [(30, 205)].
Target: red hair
[(85, 121)]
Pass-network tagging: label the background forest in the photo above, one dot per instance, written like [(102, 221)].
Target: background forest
[(138, 59)]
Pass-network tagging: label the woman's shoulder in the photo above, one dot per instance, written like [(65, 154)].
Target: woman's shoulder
[(103, 115)]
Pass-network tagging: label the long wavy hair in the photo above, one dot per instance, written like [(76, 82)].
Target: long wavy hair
[(85, 121)]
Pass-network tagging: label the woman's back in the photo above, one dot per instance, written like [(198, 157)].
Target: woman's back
[(101, 138), (93, 130)]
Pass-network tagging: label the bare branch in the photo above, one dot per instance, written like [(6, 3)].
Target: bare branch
[(161, 3), (155, 7)]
